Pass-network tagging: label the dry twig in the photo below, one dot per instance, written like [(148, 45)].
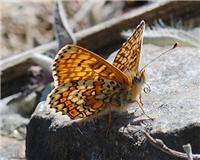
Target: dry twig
[(159, 144), (187, 148)]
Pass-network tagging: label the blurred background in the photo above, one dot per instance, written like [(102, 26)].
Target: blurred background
[(26, 24)]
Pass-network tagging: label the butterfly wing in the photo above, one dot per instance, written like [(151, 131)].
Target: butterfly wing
[(84, 98), (74, 63), (128, 57), (84, 83)]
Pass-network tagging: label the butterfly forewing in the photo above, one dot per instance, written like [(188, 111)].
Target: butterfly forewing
[(74, 63), (128, 57)]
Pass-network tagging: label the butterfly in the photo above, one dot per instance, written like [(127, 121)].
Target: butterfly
[(86, 84)]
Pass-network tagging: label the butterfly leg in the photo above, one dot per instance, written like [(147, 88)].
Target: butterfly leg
[(141, 100), (141, 107)]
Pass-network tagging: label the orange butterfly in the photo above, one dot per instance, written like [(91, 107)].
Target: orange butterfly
[(85, 83)]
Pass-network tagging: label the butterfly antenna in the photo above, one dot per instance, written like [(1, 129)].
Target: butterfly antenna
[(174, 46)]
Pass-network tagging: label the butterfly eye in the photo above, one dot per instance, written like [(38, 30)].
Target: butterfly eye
[(137, 79)]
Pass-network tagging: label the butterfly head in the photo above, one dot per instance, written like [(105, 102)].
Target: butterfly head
[(138, 81), (139, 78)]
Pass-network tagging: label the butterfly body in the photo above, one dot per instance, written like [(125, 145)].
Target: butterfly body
[(86, 84)]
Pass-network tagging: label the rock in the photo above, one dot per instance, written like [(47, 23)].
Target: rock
[(12, 133), (174, 102), (24, 105), (12, 148), (18, 103)]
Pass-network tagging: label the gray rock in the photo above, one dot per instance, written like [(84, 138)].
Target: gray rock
[(11, 148), (12, 133), (174, 102)]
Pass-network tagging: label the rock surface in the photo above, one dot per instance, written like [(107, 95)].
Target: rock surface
[(12, 132), (174, 102)]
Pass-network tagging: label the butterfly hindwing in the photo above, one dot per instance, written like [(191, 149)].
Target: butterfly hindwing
[(84, 98)]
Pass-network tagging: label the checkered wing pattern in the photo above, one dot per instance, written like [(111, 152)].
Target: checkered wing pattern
[(128, 57)]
